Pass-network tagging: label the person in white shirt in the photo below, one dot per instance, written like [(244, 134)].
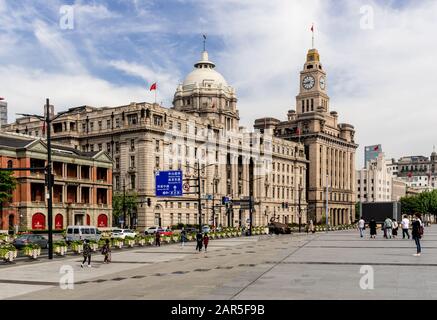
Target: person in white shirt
[(361, 226), (405, 225)]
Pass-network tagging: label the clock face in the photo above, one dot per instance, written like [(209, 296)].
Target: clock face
[(322, 82), (308, 82)]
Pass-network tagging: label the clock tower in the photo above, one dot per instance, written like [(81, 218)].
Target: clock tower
[(312, 94)]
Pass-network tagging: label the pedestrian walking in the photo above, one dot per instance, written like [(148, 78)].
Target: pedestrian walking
[(417, 233), (199, 240), (361, 226), (388, 227), (405, 225), (86, 253), (157, 239), (106, 251), (183, 237), (372, 227), (311, 227), (205, 241), (395, 228)]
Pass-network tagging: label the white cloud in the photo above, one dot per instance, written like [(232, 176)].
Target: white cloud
[(64, 91), (381, 81)]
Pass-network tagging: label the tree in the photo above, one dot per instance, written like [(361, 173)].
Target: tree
[(130, 201), (8, 183)]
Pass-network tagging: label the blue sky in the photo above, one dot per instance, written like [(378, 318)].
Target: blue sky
[(381, 80)]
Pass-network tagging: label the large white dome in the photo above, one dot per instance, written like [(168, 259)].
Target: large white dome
[(204, 74)]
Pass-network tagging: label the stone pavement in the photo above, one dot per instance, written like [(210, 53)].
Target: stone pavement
[(298, 266)]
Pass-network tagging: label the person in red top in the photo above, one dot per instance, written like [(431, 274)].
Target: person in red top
[(205, 241)]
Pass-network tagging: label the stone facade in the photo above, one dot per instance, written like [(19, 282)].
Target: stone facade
[(202, 126), (329, 145)]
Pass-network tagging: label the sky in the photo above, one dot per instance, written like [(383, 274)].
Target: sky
[(379, 56)]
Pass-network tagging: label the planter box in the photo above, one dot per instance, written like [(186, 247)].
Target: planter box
[(60, 250), (151, 241), (77, 248), (118, 244), (141, 242), (32, 253), (9, 256), (130, 243), (94, 247)]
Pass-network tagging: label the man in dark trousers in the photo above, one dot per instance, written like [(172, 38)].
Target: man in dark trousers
[(199, 239), (157, 239)]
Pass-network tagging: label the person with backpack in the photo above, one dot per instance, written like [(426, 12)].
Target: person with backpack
[(106, 251), (86, 253), (388, 227), (417, 233)]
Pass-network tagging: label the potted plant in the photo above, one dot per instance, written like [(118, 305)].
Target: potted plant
[(32, 250), (4, 237), (176, 238), (93, 245), (118, 243), (150, 239), (140, 240), (8, 252), (76, 246), (167, 239), (60, 247), (129, 241), (189, 237)]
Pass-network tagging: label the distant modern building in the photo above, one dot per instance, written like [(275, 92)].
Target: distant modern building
[(82, 191), (418, 172), (374, 181), (3, 113), (371, 153)]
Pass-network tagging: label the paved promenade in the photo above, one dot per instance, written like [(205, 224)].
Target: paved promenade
[(298, 266)]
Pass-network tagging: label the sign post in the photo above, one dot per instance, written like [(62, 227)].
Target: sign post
[(168, 183)]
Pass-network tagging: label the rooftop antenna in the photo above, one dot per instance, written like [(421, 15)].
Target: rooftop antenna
[(204, 42)]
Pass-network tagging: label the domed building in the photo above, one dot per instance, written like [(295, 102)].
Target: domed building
[(205, 93)]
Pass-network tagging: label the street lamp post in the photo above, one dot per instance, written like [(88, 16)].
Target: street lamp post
[(327, 204), (48, 169)]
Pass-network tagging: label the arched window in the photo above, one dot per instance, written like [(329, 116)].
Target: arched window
[(102, 221), (38, 221), (59, 222), (10, 164)]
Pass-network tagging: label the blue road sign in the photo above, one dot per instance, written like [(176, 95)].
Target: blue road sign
[(168, 183)]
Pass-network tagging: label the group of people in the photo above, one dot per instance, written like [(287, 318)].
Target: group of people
[(390, 228), (106, 252), (202, 240)]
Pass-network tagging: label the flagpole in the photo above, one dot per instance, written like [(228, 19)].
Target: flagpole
[(312, 30)]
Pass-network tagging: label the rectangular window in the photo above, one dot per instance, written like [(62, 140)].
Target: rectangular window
[(179, 217), (108, 147), (108, 124), (132, 161), (132, 182), (132, 144), (156, 162), (100, 125)]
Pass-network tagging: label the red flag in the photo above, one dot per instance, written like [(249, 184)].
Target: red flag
[(153, 87), (376, 148), (410, 174), (1, 98), (298, 131), (312, 28)]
